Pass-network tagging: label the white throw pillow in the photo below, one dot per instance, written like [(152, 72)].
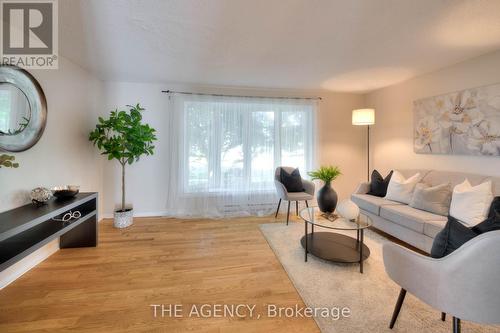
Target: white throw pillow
[(401, 189), (470, 204)]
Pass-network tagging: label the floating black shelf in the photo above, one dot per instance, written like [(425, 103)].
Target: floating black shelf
[(25, 229)]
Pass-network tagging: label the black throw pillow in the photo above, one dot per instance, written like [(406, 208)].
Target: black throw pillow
[(378, 185), (292, 181), (454, 235), (493, 220)]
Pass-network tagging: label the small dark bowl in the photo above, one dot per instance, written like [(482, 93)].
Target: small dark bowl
[(65, 194)]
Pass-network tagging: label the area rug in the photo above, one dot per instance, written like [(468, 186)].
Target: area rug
[(370, 297)]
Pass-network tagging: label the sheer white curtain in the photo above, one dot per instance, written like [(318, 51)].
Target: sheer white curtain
[(223, 152)]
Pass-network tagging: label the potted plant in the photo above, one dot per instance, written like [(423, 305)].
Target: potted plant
[(7, 161), (327, 197), (125, 138)]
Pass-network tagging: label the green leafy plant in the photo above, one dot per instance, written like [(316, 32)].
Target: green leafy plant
[(7, 161), (325, 173), (125, 138)]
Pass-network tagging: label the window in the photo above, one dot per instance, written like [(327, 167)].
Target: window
[(234, 144)]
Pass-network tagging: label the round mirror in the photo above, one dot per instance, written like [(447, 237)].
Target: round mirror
[(23, 109)]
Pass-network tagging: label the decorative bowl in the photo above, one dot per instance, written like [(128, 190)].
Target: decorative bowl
[(40, 196), (65, 192)]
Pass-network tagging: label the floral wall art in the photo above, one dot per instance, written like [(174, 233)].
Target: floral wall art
[(466, 122)]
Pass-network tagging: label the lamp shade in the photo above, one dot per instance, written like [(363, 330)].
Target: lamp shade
[(363, 117)]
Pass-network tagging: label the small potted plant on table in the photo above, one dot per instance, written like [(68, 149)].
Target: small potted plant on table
[(327, 197), (125, 138)]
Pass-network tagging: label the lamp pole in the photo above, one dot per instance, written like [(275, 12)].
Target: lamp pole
[(368, 159), (365, 117)]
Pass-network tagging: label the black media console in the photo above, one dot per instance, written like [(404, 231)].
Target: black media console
[(25, 229)]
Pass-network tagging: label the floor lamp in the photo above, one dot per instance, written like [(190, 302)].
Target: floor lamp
[(365, 117)]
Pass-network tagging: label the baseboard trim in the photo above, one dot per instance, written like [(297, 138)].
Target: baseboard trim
[(139, 214)]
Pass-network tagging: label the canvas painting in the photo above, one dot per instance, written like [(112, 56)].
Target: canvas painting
[(466, 122)]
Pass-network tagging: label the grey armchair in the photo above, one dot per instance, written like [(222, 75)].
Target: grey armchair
[(283, 194), (463, 284)]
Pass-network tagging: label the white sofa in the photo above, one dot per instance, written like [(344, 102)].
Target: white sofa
[(413, 226)]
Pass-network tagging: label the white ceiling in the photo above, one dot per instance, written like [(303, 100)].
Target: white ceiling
[(340, 45)]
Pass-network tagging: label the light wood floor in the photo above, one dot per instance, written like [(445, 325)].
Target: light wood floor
[(156, 261)]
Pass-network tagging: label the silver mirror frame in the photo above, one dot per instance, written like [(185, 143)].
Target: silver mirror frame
[(38, 107)]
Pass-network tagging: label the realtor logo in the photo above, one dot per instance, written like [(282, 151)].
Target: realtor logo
[(29, 33)]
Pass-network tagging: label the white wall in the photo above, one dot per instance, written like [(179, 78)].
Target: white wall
[(63, 155), (393, 132), (339, 143), (146, 179)]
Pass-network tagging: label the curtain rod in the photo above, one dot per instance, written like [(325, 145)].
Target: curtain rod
[(243, 96)]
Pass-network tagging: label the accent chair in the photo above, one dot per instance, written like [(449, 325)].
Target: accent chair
[(283, 194), (464, 284)]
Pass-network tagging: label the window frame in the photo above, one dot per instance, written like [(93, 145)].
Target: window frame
[(214, 164)]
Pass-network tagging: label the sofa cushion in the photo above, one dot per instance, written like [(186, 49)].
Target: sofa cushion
[(454, 235), (493, 221), (371, 203), (292, 180), (470, 204), (378, 184), (432, 228), (409, 217), (435, 199), (401, 188)]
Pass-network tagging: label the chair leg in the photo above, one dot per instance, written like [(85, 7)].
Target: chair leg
[(296, 208), (443, 316), (456, 325), (288, 213), (399, 303), (307, 205), (277, 209)]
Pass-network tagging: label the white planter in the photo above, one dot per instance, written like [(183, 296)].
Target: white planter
[(123, 219)]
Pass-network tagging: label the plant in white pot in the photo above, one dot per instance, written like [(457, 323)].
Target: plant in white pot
[(125, 138)]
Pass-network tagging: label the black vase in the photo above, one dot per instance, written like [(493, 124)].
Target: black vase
[(327, 199)]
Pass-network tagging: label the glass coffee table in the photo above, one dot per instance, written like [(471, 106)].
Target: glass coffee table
[(334, 246)]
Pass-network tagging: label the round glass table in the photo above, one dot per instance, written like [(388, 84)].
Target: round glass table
[(334, 246)]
